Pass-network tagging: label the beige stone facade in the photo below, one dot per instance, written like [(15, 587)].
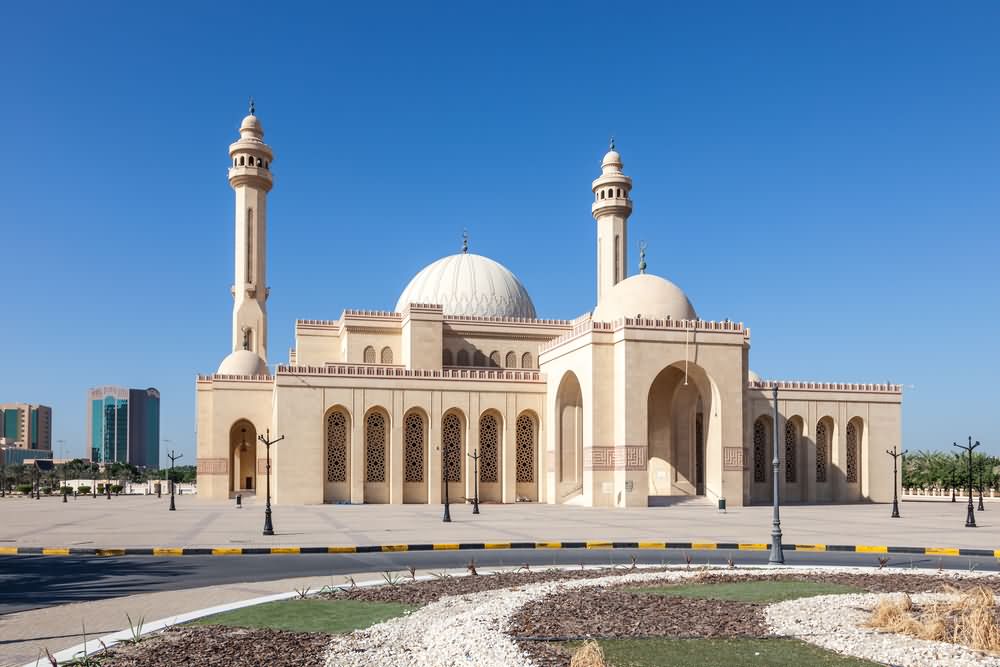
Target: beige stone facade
[(631, 404)]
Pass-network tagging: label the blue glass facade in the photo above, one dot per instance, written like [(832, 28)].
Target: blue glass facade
[(125, 426)]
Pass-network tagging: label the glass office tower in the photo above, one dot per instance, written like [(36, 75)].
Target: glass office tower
[(124, 426)]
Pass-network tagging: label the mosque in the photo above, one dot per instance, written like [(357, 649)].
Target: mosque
[(635, 403)]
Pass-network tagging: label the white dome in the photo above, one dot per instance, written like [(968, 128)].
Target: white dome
[(752, 377), (468, 284), (647, 296), (243, 362)]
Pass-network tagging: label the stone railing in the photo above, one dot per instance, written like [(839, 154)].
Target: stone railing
[(373, 314), (505, 320), (960, 494), (827, 386), (214, 377), (318, 323), (694, 326), (382, 371), (578, 330)]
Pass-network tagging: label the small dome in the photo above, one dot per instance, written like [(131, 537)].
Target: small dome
[(647, 296), (469, 284), (251, 127), (752, 377), (243, 362), (612, 162)]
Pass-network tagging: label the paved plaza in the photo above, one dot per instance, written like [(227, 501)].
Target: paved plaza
[(144, 521)]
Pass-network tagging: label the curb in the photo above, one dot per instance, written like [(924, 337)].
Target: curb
[(464, 546)]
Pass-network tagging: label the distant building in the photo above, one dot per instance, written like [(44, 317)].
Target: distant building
[(26, 426), (124, 426), (11, 454)]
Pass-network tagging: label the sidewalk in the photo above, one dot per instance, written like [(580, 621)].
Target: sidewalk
[(26, 635)]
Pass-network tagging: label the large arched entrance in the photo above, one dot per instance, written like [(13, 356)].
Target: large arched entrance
[(242, 458), (680, 425), (569, 438)]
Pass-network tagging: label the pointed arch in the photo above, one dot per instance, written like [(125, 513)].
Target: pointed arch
[(761, 488), (495, 359), (376, 469), (463, 358), (242, 457), (453, 452), (337, 453), (386, 355), (490, 448), (511, 360), (415, 456), (526, 360), (446, 358), (369, 355), (526, 458), (852, 455), (569, 437)]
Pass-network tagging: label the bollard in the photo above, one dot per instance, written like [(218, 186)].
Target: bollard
[(239, 501)]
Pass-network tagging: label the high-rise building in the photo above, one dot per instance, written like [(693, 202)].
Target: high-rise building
[(124, 426), (26, 426)]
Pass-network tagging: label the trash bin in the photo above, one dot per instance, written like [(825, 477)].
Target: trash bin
[(722, 504)]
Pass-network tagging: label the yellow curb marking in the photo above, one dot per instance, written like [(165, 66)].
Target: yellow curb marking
[(110, 552), (341, 550), (870, 549), (652, 545), (168, 551), (284, 550), (55, 552), (940, 551), (599, 545), (444, 546), (497, 545), (227, 551), (548, 545), (754, 547), (394, 547), (8, 551), (703, 545), (810, 547)]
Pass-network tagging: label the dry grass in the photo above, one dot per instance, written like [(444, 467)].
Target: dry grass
[(971, 618), (590, 654)]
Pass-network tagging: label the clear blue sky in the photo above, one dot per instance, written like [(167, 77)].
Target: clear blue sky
[(828, 173)]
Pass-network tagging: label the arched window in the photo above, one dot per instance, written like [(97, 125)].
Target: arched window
[(451, 436), (479, 359), (235, 161), (511, 360), (618, 192), (852, 452), (375, 441), (489, 448), (266, 165), (386, 355), (369, 355), (822, 446), (413, 437), (526, 361), (249, 245), (495, 359), (463, 358), (446, 359), (618, 246), (260, 163), (336, 447), (759, 451), (242, 160), (525, 449), (791, 451)]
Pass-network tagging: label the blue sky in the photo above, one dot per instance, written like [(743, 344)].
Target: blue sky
[(827, 174)]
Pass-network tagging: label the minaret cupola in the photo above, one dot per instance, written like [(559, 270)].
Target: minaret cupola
[(611, 209)]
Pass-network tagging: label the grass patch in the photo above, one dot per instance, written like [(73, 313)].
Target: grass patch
[(751, 591), (330, 616), (719, 653)]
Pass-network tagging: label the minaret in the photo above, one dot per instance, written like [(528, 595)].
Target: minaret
[(250, 176), (611, 209)]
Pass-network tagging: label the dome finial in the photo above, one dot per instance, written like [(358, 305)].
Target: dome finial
[(611, 145), (642, 257), (252, 107), (465, 241)]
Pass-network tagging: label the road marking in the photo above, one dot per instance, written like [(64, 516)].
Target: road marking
[(168, 551), (285, 550), (8, 551), (548, 545), (703, 545), (341, 550), (497, 545), (227, 551), (940, 551), (652, 545), (754, 547), (55, 551), (444, 546), (810, 547), (599, 545), (870, 549), (110, 552)]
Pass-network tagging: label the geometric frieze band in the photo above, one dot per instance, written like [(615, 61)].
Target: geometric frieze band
[(733, 458), (623, 457), (213, 466)]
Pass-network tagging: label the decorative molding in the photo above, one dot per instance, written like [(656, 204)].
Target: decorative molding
[(213, 466), (215, 377), (623, 457), (262, 466), (694, 326), (385, 371), (733, 458), (826, 386)]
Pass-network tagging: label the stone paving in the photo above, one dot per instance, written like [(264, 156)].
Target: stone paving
[(144, 521)]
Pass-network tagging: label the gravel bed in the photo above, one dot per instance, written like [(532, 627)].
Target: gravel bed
[(836, 623), (218, 646)]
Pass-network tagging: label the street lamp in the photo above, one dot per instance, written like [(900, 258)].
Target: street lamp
[(970, 516), (173, 457), (107, 481), (475, 480), (777, 556), (895, 499), (444, 475), (954, 475), (268, 526), (982, 463)]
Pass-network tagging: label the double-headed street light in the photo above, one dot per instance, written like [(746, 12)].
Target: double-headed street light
[(777, 555), (895, 498), (970, 515), (268, 526)]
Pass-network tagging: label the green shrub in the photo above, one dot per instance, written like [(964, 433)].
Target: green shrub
[(116, 488), (66, 489), (25, 488), (83, 489), (100, 488)]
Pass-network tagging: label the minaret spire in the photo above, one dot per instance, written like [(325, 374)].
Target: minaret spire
[(251, 106), (642, 257), (611, 209), (465, 241)]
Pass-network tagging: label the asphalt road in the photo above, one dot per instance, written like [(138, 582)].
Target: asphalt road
[(31, 582)]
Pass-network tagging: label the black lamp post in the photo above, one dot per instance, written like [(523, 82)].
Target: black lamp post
[(982, 463), (444, 475), (777, 555), (475, 481), (107, 480), (173, 457), (895, 498), (93, 475), (268, 526), (970, 516), (64, 489)]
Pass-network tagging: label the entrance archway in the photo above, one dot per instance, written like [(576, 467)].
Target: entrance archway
[(242, 458), (569, 438)]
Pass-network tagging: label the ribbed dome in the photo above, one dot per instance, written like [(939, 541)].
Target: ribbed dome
[(243, 362), (469, 284), (647, 296)]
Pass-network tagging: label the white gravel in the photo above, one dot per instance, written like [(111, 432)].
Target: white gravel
[(471, 629), (836, 622)]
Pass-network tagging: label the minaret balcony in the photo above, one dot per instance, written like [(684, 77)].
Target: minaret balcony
[(254, 176), (611, 205)]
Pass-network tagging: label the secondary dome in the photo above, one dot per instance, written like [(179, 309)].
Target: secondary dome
[(243, 362), (469, 284), (647, 296)]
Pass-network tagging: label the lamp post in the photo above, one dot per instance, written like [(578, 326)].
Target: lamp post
[(475, 481), (94, 468), (970, 516), (954, 475), (107, 480), (982, 463), (65, 488), (777, 556), (444, 475), (268, 527), (895, 498), (173, 457), (38, 483)]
